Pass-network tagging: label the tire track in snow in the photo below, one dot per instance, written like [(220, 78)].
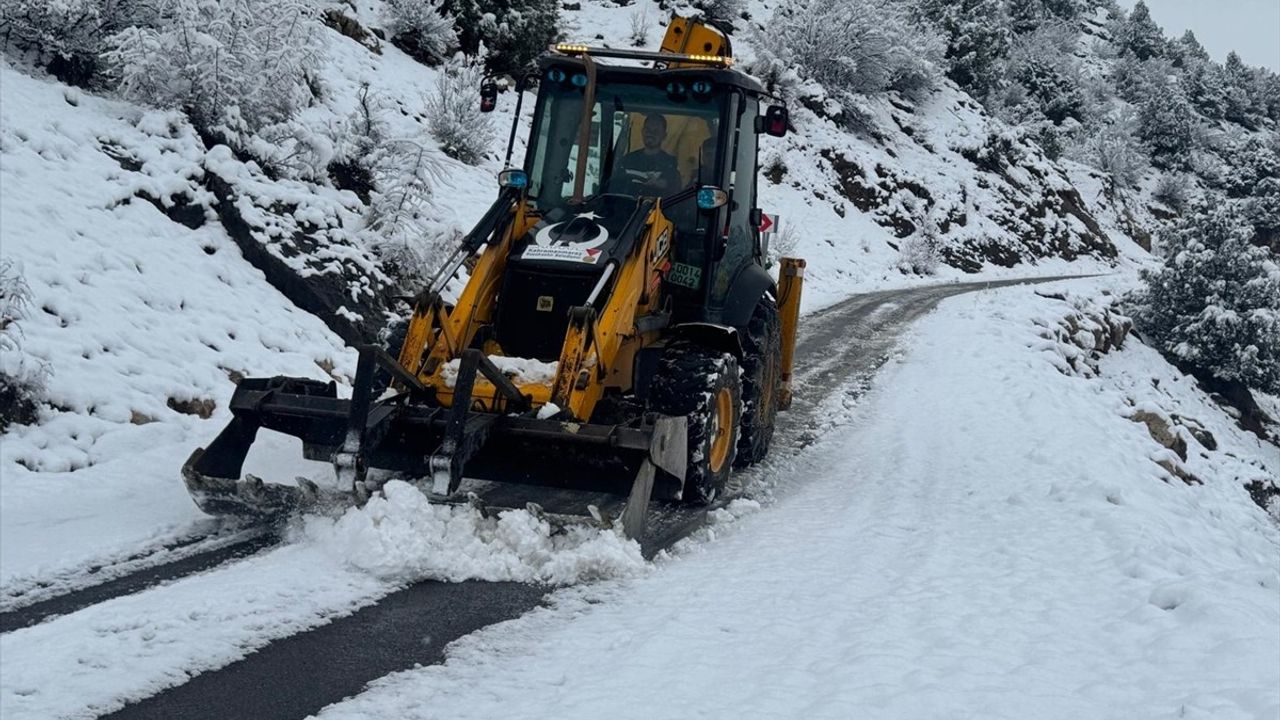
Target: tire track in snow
[(312, 656), (192, 556)]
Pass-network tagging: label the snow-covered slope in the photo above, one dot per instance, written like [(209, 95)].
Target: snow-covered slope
[(991, 538)]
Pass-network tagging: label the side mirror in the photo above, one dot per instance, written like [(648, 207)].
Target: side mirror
[(776, 119), (488, 96), (711, 197), (513, 178)]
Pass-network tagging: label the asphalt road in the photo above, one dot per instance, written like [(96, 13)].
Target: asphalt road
[(297, 676)]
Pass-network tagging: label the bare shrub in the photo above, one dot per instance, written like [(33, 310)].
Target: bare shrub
[(640, 27), (22, 380)]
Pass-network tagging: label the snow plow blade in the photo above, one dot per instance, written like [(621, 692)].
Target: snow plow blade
[(410, 434)]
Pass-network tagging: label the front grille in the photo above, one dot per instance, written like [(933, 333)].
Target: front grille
[(533, 310)]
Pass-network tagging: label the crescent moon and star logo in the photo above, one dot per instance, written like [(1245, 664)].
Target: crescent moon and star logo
[(578, 239)]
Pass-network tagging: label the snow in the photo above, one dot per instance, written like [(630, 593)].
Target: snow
[(134, 316), (402, 537), (95, 660), (526, 371), (989, 538), (987, 534)]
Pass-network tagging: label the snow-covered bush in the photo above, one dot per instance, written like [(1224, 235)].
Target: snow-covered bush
[(920, 253), (239, 64), (1262, 210), (422, 28), (453, 111), (1113, 149), (515, 32), (977, 34), (401, 217), (359, 138), (721, 13), (22, 381), (1041, 62), (1173, 190), (848, 48), (66, 36), (293, 149), (1215, 304)]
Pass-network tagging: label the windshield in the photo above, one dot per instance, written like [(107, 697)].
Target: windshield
[(645, 139)]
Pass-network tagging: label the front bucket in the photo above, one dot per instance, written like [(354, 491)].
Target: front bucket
[(422, 441)]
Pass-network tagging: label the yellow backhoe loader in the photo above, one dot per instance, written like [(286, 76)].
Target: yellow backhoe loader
[(619, 330)]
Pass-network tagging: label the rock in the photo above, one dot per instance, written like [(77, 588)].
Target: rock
[(1161, 432), (201, 407), (138, 418), (1179, 472), (1198, 431)]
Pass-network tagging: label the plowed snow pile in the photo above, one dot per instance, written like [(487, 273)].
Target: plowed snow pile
[(993, 537), (401, 537)]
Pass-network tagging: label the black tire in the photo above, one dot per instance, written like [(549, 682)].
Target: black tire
[(702, 385), (761, 382)]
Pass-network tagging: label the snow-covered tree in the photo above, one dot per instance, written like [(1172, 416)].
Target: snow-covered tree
[(1138, 35), (978, 38), (1240, 93), (515, 32), (240, 64), (1215, 304), (422, 28), (1167, 126), (1206, 87), (1186, 50), (453, 112), (1249, 160), (1042, 63), (836, 51), (402, 219), (1262, 210)]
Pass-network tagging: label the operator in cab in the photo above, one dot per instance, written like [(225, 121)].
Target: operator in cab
[(649, 171)]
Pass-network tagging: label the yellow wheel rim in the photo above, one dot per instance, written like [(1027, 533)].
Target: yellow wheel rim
[(721, 427)]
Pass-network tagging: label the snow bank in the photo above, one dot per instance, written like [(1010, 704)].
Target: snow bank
[(402, 537)]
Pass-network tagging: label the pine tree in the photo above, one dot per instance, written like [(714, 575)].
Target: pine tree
[(1206, 87), (1215, 304), (1167, 127), (1188, 50), (1139, 35), (515, 32), (1238, 92), (978, 36)]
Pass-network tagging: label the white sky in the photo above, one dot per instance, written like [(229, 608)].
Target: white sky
[(1250, 27)]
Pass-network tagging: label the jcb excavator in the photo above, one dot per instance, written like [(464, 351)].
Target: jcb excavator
[(619, 330)]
